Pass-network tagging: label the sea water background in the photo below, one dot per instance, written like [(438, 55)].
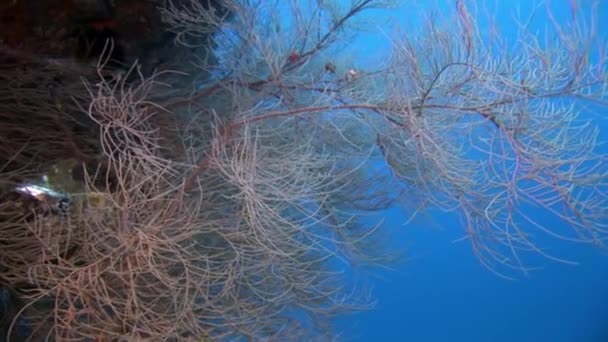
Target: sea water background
[(442, 293)]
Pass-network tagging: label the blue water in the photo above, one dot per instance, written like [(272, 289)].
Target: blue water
[(442, 293)]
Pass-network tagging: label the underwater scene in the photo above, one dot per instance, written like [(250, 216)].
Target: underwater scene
[(304, 170)]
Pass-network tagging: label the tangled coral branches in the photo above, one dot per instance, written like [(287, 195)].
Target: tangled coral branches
[(243, 251), (125, 265), (137, 258)]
